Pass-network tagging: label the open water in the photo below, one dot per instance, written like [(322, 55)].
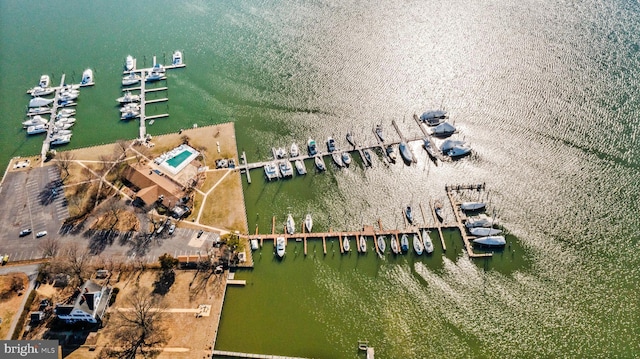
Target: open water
[(545, 92)]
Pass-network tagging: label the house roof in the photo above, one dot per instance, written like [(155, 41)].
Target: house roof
[(85, 301), (152, 185)]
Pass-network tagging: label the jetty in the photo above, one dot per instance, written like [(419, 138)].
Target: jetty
[(460, 217), (228, 354)]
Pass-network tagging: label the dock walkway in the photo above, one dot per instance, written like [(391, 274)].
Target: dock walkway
[(228, 354)]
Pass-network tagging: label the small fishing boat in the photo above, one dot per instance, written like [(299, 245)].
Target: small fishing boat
[(459, 151), (319, 161), (379, 133), (404, 243), (128, 63), (44, 81), (291, 224), (302, 170), (128, 97), (363, 244), (346, 158), (176, 59), (311, 146), (331, 144), (345, 244), (437, 207), (87, 78), (426, 241), (382, 245), (367, 157), (286, 169), (131, 79), (337, 158), (395, 248), (472, 206), (271, 171), (39, 102), (418, 247), (408, 212), (484, 231), (294, 151), (405, 152), (350, 139), (491, 241), (308, 222), (33, 130), (391, 153), (443, 130), (280, 246)]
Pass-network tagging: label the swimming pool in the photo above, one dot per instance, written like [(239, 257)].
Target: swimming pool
[(178, 158)]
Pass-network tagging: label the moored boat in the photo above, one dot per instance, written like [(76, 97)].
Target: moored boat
[(280, 152), (391, 153), (395, 248), (155, 76), (491, 241), (484, 231), (433, 117), (459, 151), (128, 97), (346, 158), (44, 81), (481, 220), (60, 140), (128, 63), (363, 244), (39, 102), (291, 224), (286, 169), (33, 130), (426, 241), (294, 151), (443, 130), (337, 158), (300, 167), (382, 245), (319, 161), (312, 147), (271, 171), (418, 247), (408, 212), (41, 91), (176, 58), (472, 206), (127, 115), (367, 157), (131, 106), (66, 112), (437, 207), (34, 121), (63, 125), (427, 146), (131, 79), (87, 78), (39, 110), (405, 152), (308, 222), (345, 244), (280, 246), (379, 133), (404, 243), (331, 144), (350, 139), (448, 145)]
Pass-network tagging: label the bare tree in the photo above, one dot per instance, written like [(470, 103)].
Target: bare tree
[(121, 148), (64, 160), (49, 246), (78, 262), (140, 328)]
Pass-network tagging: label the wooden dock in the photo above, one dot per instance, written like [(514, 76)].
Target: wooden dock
[(404, 139), (438, 226), (463, 231), (228, 354), (438, 154)]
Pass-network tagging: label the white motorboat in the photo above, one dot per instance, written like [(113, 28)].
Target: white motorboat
[(308, 222), (34, 121), (426, 241), (280, 152), (87, 78), (131, 79), (472, 206), (484, 231), (129, 115), (65, 120), (39, 110), (66, 112), (291, 224), (345, 244), (382, 245), (418, 247), (300, 167), (443, 130), (39, 102), (395, 248), (337, 158), (404, 243), (59, 132), (44, 81), (128, 97), (41, 91), (491, 241), (68, 96), (271, 171), (459, 151), (312, 147), (280, 246), (128, 63), (481, 220), (319, 161), (405, 152), (33, 130), (176, 59), (346, 158), (158, 68), (286, 169), (294, 151), (60, 140), (363, 244), (131, 106), (331, 144), (155, 76), (62, 125)]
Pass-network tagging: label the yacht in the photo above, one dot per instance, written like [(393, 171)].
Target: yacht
[(280, 246), (331, 144), (367, 157), (128, 97), (131, 106), (394, 246), (484, 231), (308, 222), (459, 151), (418, 247), (280, 152), (155, 76), (41, 91), (68, 96), (127, 115), (405, 152), (382, 245), (39, 110), (408, 212), (65, 119), (337, 158), (443, 130), (379, 133), (302, 170), (131, 79), (39, 102), (319, 161), (345, 244), (32, 130), (271, 171), (176, 59), (472, 206), (87, 78), (44, 81), (286, 169), (491, 241), (128, 63), (58, 132), (346, 158), (481, 220), (404, 243), (426, 240), (62, 125), (291, 224), (350, 139), (34, 121), (311, 146), (60, 140), (66, 112), (363, 244), (294, 151), (391, 153)]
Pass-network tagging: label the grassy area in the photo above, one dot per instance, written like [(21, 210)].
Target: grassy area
[(10, 302), (212, 178), (225, 207)]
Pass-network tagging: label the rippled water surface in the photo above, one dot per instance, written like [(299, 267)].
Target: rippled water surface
[(544, 91)]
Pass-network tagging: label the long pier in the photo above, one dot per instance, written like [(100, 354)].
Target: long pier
[(456, 211), (228, 354)]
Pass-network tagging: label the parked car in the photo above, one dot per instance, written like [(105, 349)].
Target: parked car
[(172, 228), (200, 233), (41, 234), (25, 232)]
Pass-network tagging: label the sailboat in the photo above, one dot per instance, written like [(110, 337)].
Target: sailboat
[(363, 244), (408, 212), (472, 206), (484, 231), (345, 244), (280, 245), (382, 245), (426, 240), (308, 222), (418, 247), (404, 243), (291, 224), (394, 246)]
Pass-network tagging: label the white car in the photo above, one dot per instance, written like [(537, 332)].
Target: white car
[(172, 228), (41, 234)]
